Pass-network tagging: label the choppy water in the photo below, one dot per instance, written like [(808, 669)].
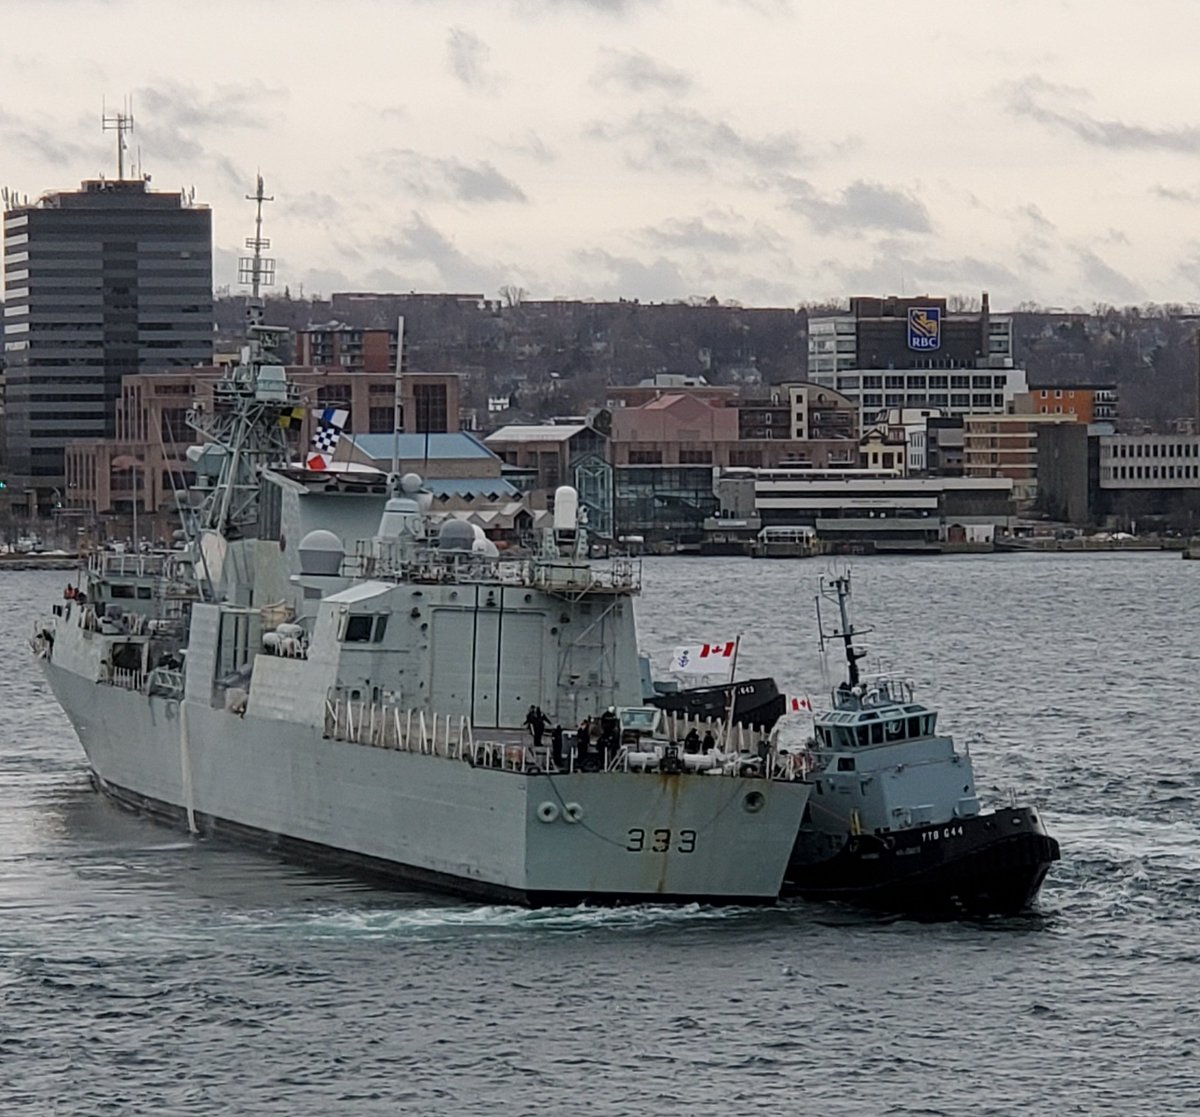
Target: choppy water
[(142, 973)]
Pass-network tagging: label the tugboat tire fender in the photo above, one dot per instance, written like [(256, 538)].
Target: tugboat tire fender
[(547, 812), (572, 812)]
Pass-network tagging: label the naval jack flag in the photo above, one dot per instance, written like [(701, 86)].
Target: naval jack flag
[(705, 659)]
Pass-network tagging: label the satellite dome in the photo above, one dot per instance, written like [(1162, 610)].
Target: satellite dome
[(411, 483), (456, 535), (321, 553)]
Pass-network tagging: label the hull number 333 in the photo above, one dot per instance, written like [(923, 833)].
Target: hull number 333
[(659, 841)]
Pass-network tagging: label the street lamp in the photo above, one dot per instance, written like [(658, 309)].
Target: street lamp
[(129, 462)]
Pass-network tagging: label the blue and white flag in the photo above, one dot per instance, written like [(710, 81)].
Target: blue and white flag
[(335, 417)]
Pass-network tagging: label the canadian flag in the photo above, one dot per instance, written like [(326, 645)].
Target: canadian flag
[(704, 659), (796, 704)]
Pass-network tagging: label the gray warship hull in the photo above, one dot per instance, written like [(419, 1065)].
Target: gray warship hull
[(537, 838)]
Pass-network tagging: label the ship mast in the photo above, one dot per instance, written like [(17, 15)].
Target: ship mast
[(839, 587), (250, 404)]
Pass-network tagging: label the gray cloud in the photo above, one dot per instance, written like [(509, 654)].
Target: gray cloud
[(429, 250), (437, 178), (894, 269), (705, 235), (1174, 194), (467, 57), (680, 139), (531, 145), (42, 140), (1103, 281), (635, 72), (625, 277), (861, 205), (1051, 105), (1036, 217), (176, 121), (310, 205)]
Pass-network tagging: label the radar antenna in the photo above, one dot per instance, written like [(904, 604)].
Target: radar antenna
[(257, 270), (837, 588)]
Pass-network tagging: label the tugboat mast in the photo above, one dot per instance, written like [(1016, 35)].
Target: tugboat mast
[(839, 586)]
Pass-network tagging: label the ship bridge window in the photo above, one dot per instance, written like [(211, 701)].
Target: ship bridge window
[(845, 764), (876, 734), (864, 735), (894, 729), (365, 628), (914, 726), (121, 592), (822, 738)]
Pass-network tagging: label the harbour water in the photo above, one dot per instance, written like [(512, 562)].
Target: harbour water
[(143, 973)]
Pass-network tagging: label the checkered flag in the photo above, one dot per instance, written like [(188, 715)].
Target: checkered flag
[(325, 440)]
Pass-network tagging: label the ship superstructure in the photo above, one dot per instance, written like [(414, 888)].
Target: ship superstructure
[(895, 820)]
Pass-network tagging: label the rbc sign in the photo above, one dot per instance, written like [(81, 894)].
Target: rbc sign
[(924, 327)]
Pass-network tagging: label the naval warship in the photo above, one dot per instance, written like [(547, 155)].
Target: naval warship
[(320, 668), (894, 821)]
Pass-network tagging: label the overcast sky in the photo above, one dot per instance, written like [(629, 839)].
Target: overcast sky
[(768, 151)]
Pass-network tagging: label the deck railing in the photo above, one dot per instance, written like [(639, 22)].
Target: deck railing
[(379, 725)]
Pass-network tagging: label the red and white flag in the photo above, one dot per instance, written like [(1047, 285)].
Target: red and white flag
[(704, 659), (799, 705)]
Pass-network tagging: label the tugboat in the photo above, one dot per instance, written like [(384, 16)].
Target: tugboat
[(894, 821)]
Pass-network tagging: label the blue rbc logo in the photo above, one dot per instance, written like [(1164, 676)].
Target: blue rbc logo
[(924, 327)]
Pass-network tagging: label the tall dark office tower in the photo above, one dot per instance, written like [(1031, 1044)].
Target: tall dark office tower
[(101, 282)]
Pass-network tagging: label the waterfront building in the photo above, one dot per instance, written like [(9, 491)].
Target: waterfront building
[(682, 429), (915, 353), (354, 348), (539, 457), (863, 507), (1082, 403), (1006, 446), (101, 283), (1089, 476), (907, 427), (944, 446)]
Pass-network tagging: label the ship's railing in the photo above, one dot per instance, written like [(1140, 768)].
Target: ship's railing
[(876, 690), (165, 682), (125, 565), (392, 559), (388, 727), (380, 725), (126, 678)]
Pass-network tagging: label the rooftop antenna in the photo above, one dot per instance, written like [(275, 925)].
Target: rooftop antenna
[(121, 123), (398, 412), (257, 270)]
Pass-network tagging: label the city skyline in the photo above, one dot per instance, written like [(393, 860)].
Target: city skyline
[(763, 151)]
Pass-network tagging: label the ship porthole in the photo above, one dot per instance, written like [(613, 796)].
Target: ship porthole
[(547, 812), (754, 802), (572, 812)]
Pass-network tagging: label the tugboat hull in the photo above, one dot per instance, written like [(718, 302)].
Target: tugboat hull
[(992, 864)]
